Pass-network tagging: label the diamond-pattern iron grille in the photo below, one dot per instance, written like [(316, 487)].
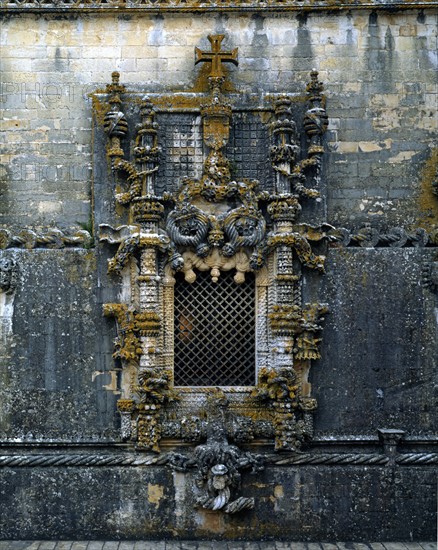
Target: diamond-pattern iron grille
[(215, 331)]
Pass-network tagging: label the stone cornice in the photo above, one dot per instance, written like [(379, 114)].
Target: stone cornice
[(206, 6)]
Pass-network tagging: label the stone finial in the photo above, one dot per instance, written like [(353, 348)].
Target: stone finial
[(216, 57)]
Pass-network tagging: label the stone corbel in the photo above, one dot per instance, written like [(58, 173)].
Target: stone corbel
[(217, 464), (390, 439), (134, 243)]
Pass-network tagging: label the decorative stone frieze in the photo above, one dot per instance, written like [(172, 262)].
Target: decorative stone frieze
[(47, 238), (371, 237), (197, 6)]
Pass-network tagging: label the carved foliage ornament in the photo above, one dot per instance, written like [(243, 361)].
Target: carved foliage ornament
[(8, 275), (218, 464), (216, 223)]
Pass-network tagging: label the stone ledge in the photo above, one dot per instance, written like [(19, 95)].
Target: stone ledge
[(210, 545), (196, 6)]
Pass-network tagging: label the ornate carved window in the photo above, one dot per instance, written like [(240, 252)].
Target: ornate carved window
[(214, 339)]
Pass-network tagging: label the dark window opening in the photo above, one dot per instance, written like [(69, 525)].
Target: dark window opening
[(215, 331)]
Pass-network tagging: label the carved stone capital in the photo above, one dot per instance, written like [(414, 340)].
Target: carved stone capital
[(147, 209), (125, 405), (284, 209)]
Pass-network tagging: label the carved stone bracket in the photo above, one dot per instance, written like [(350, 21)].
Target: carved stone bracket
[(390, 439)]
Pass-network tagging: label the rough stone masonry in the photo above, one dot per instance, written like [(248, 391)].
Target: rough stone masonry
[(367, 467)]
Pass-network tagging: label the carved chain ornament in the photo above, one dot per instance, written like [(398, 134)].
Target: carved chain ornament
[(216, 223)]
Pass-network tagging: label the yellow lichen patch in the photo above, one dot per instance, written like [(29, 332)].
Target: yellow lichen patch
[(155, 494), (125, 405), (278, 491), (285, 318), (428, 201), (259, 485), (260, 414), (148, 323), (179, 102), (100, 109)]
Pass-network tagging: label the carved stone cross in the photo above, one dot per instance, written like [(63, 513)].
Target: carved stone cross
[(216, 57)]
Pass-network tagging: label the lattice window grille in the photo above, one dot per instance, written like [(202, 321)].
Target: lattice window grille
[(215, 331), (182, 145)]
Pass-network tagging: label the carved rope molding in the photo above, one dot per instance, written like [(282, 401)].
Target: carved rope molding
[(365, 237), (45, 238), (325, 459), (199, 6)]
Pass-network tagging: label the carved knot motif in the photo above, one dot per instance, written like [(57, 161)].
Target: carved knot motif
[(214, 212), (241, 227)]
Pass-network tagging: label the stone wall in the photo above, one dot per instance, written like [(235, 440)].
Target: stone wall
[(109, 503), (59, 425), (378, 69)]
